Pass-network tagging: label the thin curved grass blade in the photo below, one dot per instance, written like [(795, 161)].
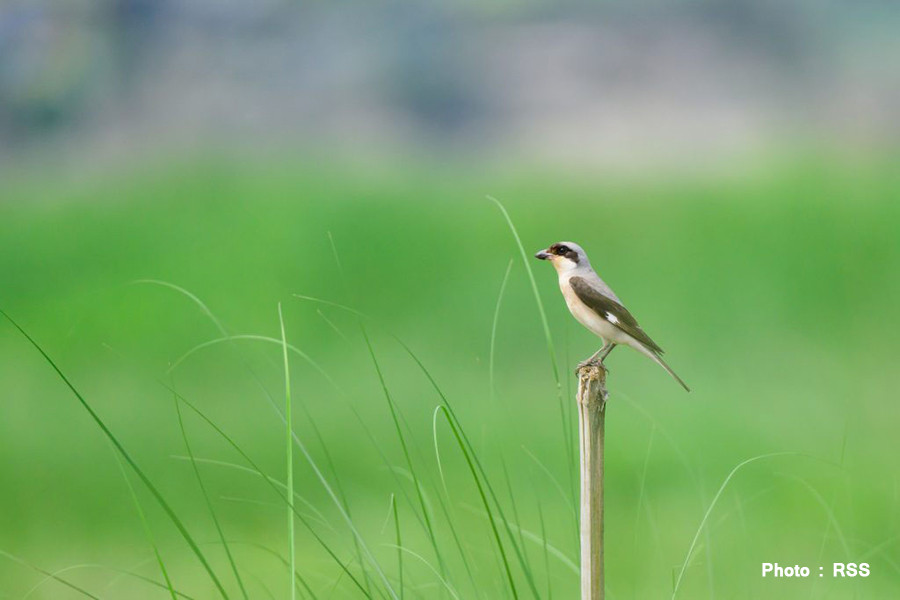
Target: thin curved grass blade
[(157, 495)]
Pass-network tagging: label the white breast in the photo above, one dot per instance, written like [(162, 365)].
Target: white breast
[(590, 319)]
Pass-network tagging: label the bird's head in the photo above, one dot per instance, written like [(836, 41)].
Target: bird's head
[(564, 256)]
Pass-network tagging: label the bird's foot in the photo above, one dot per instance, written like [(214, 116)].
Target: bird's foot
[(591, 362)]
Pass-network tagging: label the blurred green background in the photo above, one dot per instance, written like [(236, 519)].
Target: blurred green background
[(774, 295), (170, 174)]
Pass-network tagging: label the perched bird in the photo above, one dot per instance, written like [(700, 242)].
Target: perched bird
[(597, 307)]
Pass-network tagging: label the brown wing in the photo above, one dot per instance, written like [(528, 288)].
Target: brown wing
[(612, 311)]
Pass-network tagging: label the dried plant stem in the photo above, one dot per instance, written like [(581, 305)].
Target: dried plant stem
[(591, 399)]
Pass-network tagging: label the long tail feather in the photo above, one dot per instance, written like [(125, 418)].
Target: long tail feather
[(663, 364), (655, 357)]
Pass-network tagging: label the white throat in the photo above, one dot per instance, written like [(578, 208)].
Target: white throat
[(567, 268)]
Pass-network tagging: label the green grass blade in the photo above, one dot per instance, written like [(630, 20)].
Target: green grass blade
[(384, 458), (297, 576), (494, 322), (709, 510), (487, 506), (556, 484), (292, 551), (331, 324), (332, 304), (403, 444), (534, 288), (52, 576), (124, 453), (262, 584), (266, 478), (399, 544), (515, 510), (208, 501), (472, 456), (317, 515), (260, 338), (448, 515), (256, 469), (450, 419), (437, 449), (546, 547), (189, 295), (147, 531), (334, 497), (231, 339), (120, 573), (536, 539), (424, 519), (564, 411), (444, 582)]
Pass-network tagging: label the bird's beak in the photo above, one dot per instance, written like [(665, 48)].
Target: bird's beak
[(542, 255)]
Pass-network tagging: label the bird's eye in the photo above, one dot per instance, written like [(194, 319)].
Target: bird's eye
[(561, 250)]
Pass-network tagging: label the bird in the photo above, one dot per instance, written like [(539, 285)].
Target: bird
[(593, 303)]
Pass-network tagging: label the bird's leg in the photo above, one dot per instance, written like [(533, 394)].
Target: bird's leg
[(607, 348), (602, 352)]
